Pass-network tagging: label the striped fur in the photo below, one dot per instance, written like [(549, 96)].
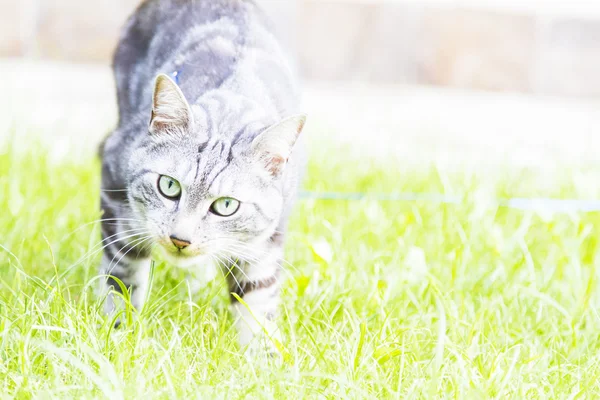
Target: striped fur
[(223, 131)]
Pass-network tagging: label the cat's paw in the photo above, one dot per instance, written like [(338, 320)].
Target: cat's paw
[(263, 352)]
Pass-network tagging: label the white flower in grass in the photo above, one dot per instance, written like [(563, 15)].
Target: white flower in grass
[(322, 249), (415, 265)]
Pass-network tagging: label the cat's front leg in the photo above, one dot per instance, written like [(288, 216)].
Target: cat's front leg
[(125, 258), (258, 286), (133, 274)]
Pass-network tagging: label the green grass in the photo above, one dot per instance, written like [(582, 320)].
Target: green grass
[(384, 299)]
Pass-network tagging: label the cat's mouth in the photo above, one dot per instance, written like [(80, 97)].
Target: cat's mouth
[(182, 258), (178, 252)]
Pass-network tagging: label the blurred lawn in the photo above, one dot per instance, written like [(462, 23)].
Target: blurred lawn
[(382, 300)]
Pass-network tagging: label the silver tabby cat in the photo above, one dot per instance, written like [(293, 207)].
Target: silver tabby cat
[(203, 164)]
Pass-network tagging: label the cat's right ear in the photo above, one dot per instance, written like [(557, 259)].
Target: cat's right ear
[(273, 146), (170, 110)]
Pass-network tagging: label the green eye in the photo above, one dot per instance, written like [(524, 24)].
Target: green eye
[(169, 187), (225, 206)]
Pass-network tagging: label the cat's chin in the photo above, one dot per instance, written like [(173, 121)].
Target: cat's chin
[(184, 262)]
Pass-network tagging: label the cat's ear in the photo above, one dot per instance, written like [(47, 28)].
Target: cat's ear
[(274, 146), (170, 110)]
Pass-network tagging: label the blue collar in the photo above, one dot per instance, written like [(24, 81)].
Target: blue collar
[(175, 76)]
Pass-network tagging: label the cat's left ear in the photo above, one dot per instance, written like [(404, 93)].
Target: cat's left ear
[(274, 146), (170, 110)]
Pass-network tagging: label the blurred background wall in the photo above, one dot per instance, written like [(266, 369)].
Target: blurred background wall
[(529, 46)]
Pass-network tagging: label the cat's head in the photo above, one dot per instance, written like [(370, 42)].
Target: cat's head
[(205, 193)]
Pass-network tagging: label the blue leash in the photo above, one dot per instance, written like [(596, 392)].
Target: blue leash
[(175, 76), (427, 197), (525, 204)]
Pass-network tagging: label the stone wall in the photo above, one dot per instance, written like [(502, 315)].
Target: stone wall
[(377, 41)]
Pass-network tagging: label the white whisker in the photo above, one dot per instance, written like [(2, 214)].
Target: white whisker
[(112, 221), (220, 263), (133, 246), (95, 250), (235, 264)]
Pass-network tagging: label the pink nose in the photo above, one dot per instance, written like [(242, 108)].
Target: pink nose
[(180, 243)]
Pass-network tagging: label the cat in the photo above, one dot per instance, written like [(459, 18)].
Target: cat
[(206, 159)]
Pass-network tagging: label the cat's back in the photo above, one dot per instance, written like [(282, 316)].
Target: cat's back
[(200, 41)]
